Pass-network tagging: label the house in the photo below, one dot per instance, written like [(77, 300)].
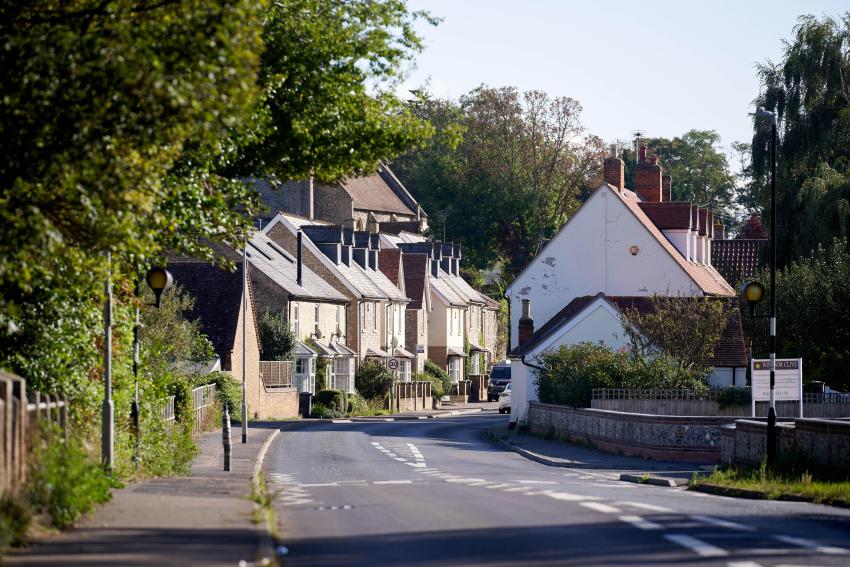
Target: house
[(281, 283), (417, 284), (620, 247), (362, 203), (348, 260), (218, 306)]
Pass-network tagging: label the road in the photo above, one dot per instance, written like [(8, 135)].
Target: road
[(440, 492)]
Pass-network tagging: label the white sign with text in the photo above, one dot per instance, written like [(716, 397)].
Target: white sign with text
[(788, 381)]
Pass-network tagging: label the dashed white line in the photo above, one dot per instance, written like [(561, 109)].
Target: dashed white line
[(393, 482), (641, 523), (320, 484), (535, 482), (698, 546), (743, 564), (721, 523), (642, 506), (569, 497), (813, 545), (600, 507)]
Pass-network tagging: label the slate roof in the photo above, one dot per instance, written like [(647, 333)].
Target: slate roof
[(473, 294), (445, 290), (373, 193), (736, 259), (218, 299), (383, 283), (415, 278), (730, 351), (395, 228)]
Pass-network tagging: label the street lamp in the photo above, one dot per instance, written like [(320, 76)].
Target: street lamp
[(771, 413), (159, 279)]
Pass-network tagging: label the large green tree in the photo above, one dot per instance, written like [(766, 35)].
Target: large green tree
[(810, 91)]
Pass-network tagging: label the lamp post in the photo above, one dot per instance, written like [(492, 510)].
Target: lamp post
[(107, 437), (771, 412)]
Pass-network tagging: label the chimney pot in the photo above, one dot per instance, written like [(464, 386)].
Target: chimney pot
[(614, 170), (526, 323), (666, 188), (648, 179), (642, 153)]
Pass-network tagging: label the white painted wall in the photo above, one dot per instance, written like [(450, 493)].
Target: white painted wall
[(681, 239), (303, 314), (590, 255)]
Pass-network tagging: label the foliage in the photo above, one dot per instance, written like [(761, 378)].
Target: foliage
[(433, 369), (228, 392), (357, 405), (813, 322), (15, 518), (572, 372), (808, 90), (783, 481), (506, 167), (276, 337), (373, 380), (686, 329), (733, 396), (321, 411), (63, 481), (438, 389), (753, 229), (334, 400), (321, 373)]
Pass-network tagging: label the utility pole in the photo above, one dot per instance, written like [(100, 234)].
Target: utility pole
[(107, 447), (135, 411), (244, 343)]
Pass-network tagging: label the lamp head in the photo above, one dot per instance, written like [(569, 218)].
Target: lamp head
[(753, 293), (159, 280)]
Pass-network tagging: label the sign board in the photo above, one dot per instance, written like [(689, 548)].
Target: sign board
[(420, 349), (788, 381), (393, 364)]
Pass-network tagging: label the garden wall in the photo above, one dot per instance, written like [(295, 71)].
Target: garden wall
[(680, 438), (712, 408)]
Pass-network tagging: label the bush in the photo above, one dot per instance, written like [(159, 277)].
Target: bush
[(277, 339), (228, 392), (15, 519), (437, 386), (572, 372), (434, 370), (321, 373), (64, 483), (373, 380), (334, 400), (357, 405), (321, 411), (733, 396)]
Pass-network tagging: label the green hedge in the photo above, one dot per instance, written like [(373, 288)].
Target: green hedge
[(334, 400), (373, 380), (434, 370)]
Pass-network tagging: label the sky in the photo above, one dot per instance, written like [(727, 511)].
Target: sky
[(659, 67)]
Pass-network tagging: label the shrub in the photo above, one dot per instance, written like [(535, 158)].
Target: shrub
[(357, 405), (321, 373), (572, 372), (64, 483), (228, 392), (276, 337), (321, 411), (437, 386), (434, 370), (373, 380), (334, 400), (15, 519), (733, 396)]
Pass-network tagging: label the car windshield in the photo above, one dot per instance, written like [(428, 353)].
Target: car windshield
[(508, 388), (500, 373)]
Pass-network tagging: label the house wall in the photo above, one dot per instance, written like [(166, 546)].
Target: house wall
[(441, 332), (332, 204), (491, 333), (372, 325), (395, 325), (591, 255), (253, 385), (416, 335), (306, 318)]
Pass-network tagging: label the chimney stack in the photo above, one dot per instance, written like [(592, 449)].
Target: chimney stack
[(648, 178), (667, 188), (526, 323), (614, 170), (298, 255), (311, 200)]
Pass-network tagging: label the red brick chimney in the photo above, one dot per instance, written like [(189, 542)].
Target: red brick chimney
[(667, 188), (614, 169), (648, 178), (526, 323)]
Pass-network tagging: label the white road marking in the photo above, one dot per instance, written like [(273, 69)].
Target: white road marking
[(813, 545), (393, 482), (320, 484), (650, 507), (466, 480), (569, 497), (599, 507), (743, 564), (721, 523), (641, 523), (498, 486), (698, 546), (340, 421), (535, 482), (415, 464), (519, 489)]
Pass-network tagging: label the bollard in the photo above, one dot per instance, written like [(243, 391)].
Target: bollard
[(225, 437)]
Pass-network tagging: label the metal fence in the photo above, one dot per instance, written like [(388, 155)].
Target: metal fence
[(168, 409), (276, 373), (203, 404)]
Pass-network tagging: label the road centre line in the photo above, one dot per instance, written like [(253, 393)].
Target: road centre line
[(809, 544), (721, 523), (641, 523), (701, 548), (535, 482), (600, 507)]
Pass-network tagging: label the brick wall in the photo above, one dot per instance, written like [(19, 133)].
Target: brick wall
[(332, 204)]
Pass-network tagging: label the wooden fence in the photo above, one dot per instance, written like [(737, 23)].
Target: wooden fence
[(276, 373), (18, 417)]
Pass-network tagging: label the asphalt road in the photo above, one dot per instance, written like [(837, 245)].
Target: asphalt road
[(439, 492)]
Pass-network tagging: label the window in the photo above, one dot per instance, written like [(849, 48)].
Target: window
[(295, 322), (339, 317), (474, 366), (405, 370), (316, 314), (421, 318), (342, 374), (363, 316), (300, 364), (454, 369), (375, 318)]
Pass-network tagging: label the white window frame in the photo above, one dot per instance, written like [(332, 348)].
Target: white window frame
[(316, 313), (296, 323), (375, 319)]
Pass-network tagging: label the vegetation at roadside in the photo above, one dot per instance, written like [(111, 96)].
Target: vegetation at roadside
[(570, 373), (276, 337), (373, 380), (782, 482), (437, 373)]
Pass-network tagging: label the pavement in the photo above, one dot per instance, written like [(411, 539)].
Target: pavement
[(444, 492), (204, 519)]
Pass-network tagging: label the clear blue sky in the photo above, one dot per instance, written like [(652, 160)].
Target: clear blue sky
[(661, 67)]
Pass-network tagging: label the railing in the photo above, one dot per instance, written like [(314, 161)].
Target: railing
[(276, 373), (168, 409), (203, 404), (651, 394)]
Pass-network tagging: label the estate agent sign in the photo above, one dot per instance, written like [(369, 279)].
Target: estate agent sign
[(788, 384)]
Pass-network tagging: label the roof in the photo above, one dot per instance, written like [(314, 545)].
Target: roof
[(303, 351), (218, 299), (390, 265), (279, 266), (416, 276), (395, 228), (669, 215), (706, 277), (373, 193), (451, 351), (736, 259), (374, 351), (445, 290), (400, 352), (383, 283), (472, 294), (730, 351)]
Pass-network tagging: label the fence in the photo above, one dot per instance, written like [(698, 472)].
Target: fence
[(203, 406), (412, 396), (276, 373), (18, 416), (690, 403)]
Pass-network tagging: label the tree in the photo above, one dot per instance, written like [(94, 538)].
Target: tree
[(373, 380), (753, 229), (686, 329), (809, 91), (276, 337), (507, 167)]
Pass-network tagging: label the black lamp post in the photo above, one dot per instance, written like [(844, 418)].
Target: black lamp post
[(754, 291)]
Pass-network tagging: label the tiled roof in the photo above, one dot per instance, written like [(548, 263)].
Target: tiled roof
[(706, 277), (675, 215), (383, 283), (736, 259), (396, 227), (360, 280), (415, 278), (730, 351), (323, 233), (467, 290), (445, 290), (373, 193), (390, 264)]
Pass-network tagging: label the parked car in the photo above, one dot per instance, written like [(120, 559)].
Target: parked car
[(500, 376), (505, 400)]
